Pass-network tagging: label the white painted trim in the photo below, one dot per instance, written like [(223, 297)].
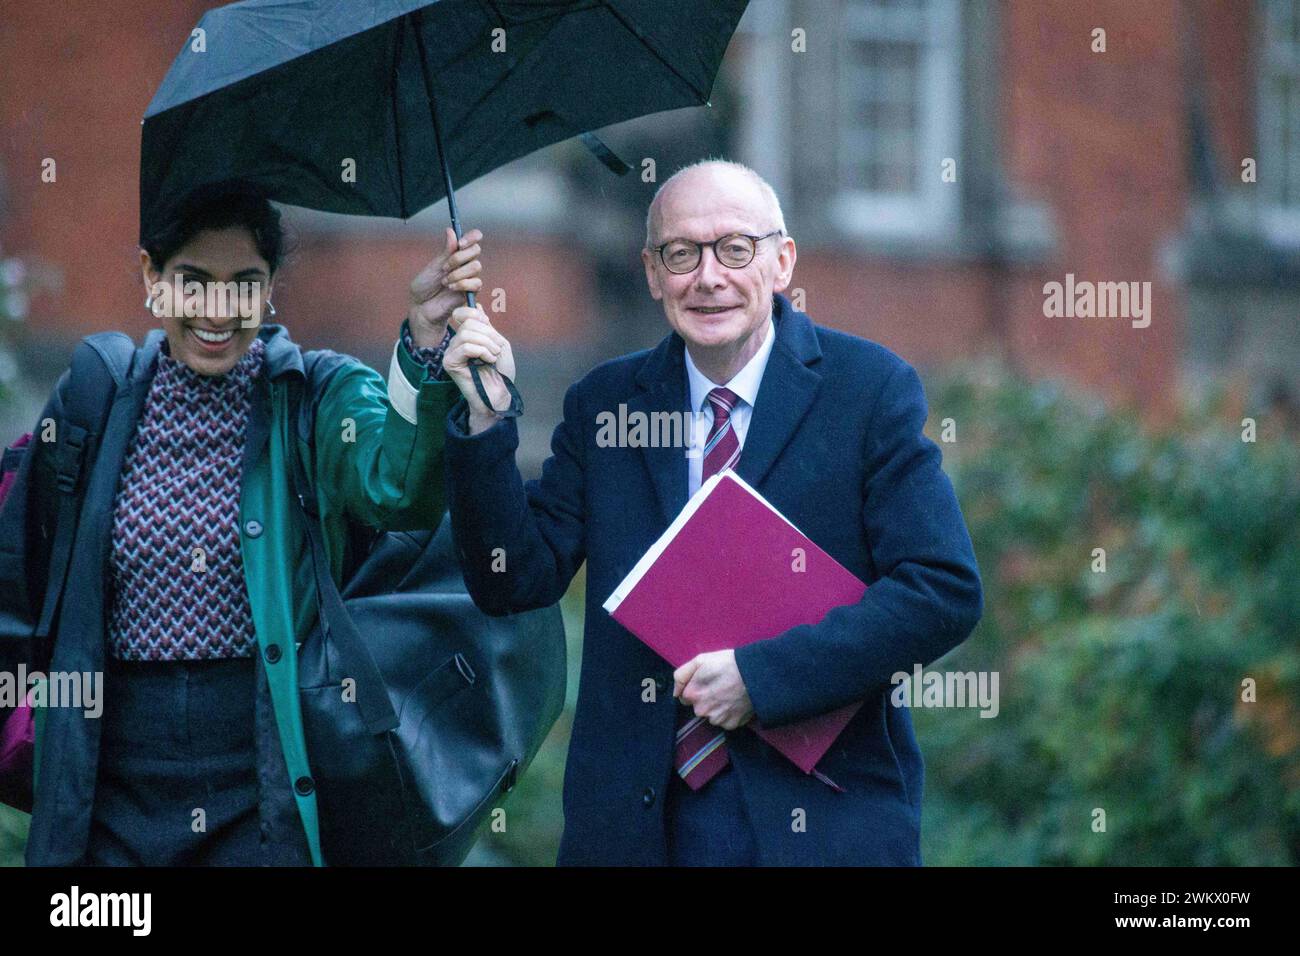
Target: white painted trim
[(765, 142), (1276, 172)]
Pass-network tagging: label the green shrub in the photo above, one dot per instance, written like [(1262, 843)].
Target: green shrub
[(1120, 690)]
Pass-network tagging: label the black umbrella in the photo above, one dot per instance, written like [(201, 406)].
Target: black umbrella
[(373, 108)]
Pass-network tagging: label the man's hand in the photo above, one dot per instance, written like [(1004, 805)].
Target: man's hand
[(441, 286), (475, 339), (711, 683)]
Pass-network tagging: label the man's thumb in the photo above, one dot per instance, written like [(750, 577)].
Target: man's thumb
[(682, 676)]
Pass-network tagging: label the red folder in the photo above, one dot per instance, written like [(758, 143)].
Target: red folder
[(729, 571)]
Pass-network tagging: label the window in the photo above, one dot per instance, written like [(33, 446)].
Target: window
[(898, 119), (1279, 114)]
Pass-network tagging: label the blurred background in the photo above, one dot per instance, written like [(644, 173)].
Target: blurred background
[(1166, 149)]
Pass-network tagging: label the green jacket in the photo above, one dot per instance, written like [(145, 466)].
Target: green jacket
[(373, 463)]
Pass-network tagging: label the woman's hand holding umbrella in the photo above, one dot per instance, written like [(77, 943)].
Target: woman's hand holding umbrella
[(442, 285), (476, 340)]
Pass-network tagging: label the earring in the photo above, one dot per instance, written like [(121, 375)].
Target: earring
[(270, 307), (148, 303)]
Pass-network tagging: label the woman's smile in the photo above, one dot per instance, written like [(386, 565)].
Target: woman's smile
[(211, 341)]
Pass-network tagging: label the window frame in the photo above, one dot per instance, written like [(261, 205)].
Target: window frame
[(1276, 171), (933, 208)]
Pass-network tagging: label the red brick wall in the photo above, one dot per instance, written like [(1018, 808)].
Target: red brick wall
[(927, 313), (77, 79), (1101, 137), (339, 289), (1227, 57), (75, 86)]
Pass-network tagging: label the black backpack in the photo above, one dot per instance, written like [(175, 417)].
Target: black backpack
[(100, 365)]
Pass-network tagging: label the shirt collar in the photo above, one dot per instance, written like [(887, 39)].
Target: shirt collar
[(174, 374), (744, 383)]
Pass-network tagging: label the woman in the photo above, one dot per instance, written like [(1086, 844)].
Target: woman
[(199, 757)]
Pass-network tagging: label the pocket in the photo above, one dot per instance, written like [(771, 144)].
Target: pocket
[(443, 682), (889, 742)]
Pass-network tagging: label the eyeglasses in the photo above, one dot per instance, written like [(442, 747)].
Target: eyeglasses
[(735, 251)]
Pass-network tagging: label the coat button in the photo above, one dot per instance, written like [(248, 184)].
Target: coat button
[(252, 527), (304, 786), (273, 653), (648, 798)]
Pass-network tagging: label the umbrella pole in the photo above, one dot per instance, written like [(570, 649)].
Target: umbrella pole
[(417, 22), (516, 401)]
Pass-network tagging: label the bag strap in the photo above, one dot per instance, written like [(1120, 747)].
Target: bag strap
[(100, 365), (376, 709)]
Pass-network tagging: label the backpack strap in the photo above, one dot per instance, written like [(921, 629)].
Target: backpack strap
[(100, 365)]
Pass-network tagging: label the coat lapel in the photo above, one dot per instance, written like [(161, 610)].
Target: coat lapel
[(663, 389), (786, 393)]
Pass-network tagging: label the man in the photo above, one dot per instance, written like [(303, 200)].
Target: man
[(828, 428)]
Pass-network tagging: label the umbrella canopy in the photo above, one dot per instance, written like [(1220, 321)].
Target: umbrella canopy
[(301, 97)]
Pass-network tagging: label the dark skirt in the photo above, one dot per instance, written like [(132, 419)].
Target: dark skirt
[(177, 777)]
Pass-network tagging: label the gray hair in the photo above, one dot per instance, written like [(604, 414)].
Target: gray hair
[(764, 187)]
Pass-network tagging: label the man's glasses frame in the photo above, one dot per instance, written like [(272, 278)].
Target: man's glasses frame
[(699, 250)]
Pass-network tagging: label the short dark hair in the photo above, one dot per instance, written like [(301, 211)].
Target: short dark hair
[(220, 207)]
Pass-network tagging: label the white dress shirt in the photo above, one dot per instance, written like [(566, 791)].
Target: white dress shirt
[(745, 384)]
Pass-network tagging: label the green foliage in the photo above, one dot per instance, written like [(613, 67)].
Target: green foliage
[(534, 819), (13, 835), (1120, 690)]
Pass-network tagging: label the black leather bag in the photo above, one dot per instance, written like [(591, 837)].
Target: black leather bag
[(420, 711)]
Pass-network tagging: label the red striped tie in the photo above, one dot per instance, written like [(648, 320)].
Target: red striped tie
[(701, 747), (722, 449)]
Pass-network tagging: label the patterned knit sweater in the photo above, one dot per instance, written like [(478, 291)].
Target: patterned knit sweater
[(175, 566)]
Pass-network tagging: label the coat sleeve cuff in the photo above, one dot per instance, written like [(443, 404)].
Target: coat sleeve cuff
[(421, 364), (500, 440), (410, 381), (763, 687)]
